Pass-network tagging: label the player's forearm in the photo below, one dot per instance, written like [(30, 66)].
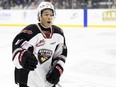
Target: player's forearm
[(18, 47)]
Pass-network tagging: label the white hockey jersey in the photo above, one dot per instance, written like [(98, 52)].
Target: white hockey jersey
[(51, 47)]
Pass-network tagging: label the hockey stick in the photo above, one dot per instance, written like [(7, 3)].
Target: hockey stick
[(59, 85)]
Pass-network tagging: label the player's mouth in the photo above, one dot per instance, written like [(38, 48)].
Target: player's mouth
[(48, 22)]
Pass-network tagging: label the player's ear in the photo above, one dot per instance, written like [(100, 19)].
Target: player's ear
[(38, 18)]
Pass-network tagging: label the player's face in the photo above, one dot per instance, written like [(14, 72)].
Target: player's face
[(46, 18)]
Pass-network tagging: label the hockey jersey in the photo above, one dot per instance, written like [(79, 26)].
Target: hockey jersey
[(51, 46)]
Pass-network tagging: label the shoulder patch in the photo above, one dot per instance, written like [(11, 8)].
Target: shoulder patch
[(27, 31)]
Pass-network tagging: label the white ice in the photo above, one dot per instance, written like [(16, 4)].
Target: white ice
[(91, 60)]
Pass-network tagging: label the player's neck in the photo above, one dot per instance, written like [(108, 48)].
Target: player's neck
[(45, 29), (44, 26)]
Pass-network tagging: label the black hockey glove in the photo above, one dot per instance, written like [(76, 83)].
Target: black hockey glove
[(54, 74), (28, 60)]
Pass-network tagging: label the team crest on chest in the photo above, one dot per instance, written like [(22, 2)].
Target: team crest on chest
[(44, 55)]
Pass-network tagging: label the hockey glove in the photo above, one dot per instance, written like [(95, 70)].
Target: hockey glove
[(28, 60), (54, 74)]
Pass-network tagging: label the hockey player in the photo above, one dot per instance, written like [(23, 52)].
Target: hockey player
[(39, 51)]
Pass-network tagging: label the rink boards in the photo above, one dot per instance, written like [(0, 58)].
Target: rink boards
[(76, 18)]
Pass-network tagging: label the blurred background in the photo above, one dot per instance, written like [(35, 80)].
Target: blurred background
[(59, 4), (90, 30)]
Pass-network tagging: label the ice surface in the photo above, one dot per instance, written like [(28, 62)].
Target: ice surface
[(91, 60)]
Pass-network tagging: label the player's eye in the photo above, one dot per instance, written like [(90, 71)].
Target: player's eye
[(51, 15)]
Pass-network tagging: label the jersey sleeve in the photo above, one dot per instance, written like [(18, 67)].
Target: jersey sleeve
[(21, 42), (60, 54)]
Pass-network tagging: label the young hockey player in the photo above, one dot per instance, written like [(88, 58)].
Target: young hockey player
[(39, 51)]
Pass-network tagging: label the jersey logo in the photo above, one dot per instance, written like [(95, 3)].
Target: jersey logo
[(52, 43), (41, 43), (44, 55)]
